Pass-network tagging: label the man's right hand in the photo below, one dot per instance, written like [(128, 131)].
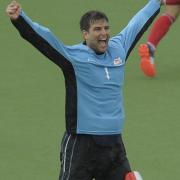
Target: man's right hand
[(13, 10)]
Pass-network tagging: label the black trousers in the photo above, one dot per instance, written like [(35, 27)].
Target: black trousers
[(83, 158)]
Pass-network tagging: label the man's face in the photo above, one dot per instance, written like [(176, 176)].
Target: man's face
[(97, 36)]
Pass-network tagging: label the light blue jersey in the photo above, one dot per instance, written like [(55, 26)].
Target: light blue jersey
[(94, 83)]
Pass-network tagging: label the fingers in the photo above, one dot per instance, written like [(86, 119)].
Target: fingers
[(11, 9)]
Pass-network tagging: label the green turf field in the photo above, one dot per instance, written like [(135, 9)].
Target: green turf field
[(32, 95)]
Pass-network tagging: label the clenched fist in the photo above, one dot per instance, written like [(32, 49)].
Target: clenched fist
[(13, 10)]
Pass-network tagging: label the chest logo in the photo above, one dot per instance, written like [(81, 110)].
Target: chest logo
[(117, 61)]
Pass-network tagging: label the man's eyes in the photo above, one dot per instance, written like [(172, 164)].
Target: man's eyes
[(106, 28), (99, 28)]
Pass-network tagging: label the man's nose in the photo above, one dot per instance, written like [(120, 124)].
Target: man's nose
[(104, 31)]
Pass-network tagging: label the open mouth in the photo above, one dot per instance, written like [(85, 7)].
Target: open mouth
[(103, 42)]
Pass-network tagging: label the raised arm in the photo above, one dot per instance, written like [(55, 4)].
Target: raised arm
[(136, 27), (39, 36)]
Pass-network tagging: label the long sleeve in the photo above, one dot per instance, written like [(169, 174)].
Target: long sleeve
[(136, 27), (42, 38)]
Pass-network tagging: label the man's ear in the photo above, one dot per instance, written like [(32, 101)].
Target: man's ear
[(85, 34)]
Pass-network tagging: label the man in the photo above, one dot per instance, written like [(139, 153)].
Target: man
[(92, 146), (159, 30)]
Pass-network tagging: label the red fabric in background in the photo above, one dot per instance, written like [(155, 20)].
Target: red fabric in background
[(160, 28), (172, 2)]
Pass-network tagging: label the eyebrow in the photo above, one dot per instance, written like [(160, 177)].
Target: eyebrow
[(101, 26)]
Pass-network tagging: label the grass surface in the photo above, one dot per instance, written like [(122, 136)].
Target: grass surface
[(32, 95)]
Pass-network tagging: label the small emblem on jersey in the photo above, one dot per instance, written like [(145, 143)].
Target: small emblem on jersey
[(117, 61)]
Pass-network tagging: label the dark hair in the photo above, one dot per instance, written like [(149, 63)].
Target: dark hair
[(90, 17)]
